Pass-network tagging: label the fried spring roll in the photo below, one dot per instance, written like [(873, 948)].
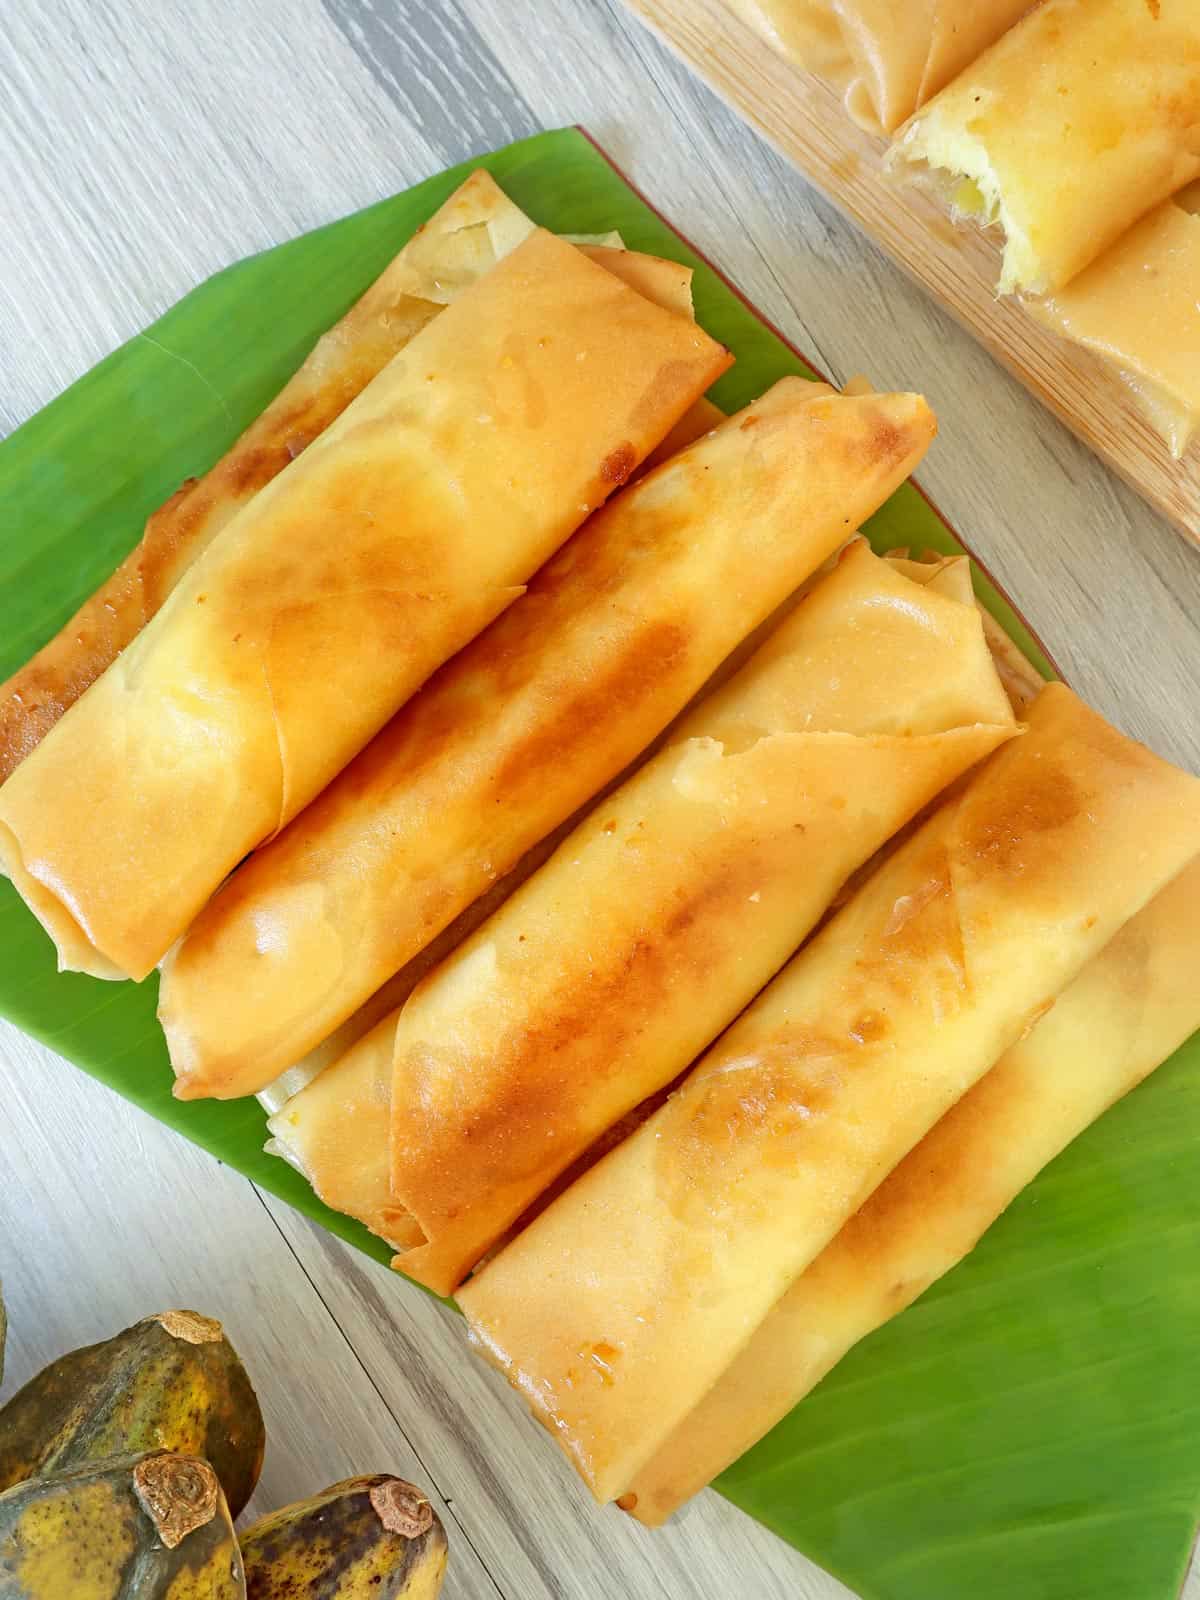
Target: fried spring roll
[(1129, 1009), (380, 551), (617, 1310), (677, 898), (1138, 309), (693, 425), (1081, 119), (459, 243), (530, 721), (885, 59), (337, 1134)]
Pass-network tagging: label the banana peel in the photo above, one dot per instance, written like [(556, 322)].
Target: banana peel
[(146, 1527), (173, 1381), (371, 1538)]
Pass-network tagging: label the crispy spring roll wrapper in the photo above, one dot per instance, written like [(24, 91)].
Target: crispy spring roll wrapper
[(665, 282), (459, 243), (618, 1309), (1138, 309), (1082, 118), (952, 575), (1129, 1009), (885, 59), (702, 418), (380, 551), (337, 1135), (677, 898), (387, 1000), (611, 641), (336, 1131), (694, 424)]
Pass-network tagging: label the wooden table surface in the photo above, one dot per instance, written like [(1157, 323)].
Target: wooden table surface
[(145, 144)]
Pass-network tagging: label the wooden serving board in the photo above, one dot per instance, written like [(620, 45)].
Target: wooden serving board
[(805, 119)]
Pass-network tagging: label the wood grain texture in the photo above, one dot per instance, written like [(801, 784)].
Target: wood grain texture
[(805, 118), (147, 143)]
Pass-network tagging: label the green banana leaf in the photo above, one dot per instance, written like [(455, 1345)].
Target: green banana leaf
[(1031, 1428)]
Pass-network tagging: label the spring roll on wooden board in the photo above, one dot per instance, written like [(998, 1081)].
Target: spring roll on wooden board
[(612, 639), (1082, 118), (459, 243), (885, 59), (380, 551), (1138, 308), (677, 898), (622, 1304), (1130, 1008)]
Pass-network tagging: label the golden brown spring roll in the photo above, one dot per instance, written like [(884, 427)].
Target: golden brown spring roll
[(612, 639), (1081, 119), (693, 425), (1127, 1011), (380, 551), (677, 898), (337, 1135), (618, 1309), (459, 243), (1138, 309), (885, 59), (387, 999)]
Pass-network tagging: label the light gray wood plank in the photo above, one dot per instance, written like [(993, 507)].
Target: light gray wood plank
[(145, 146), (439, 72)]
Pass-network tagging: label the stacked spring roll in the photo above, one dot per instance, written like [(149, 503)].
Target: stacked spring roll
[(1129, 1009), (676, 899), (323, 605), (617, 1310), (885, 59), (1073, 125), (1080, 120), (543, 709), (331, 1120), (1138, 309), (460, 242)]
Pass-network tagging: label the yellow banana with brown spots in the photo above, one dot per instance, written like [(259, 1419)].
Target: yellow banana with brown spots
[(375, 1538), (171, 1382), (148, 1527)]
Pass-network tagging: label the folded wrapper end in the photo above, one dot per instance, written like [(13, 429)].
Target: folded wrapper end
[(1135, 311), (76, 952)]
